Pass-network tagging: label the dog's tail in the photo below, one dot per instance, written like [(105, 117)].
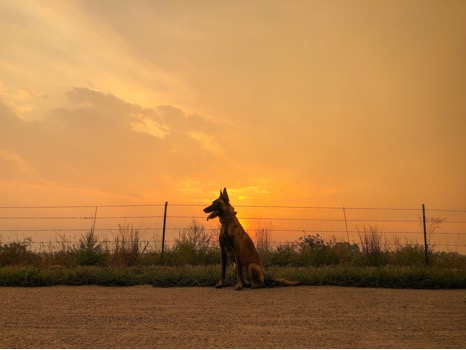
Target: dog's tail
[(284, 282), (279, 282)]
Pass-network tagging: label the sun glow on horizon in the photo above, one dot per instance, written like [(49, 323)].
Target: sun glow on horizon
[(154, 102)]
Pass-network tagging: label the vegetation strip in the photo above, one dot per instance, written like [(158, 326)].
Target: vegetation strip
[(193, 261), (207, 276)]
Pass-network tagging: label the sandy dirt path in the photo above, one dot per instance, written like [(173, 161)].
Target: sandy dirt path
[(294, 317)]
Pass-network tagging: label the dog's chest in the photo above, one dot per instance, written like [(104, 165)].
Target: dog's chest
[(227, 240)]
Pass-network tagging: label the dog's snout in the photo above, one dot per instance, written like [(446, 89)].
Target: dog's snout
[(209, 209)]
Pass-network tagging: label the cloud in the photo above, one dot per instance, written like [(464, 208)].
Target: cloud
[(96, 144), (149, 125), (21, 101), (207, 142), (98, 141), (12, 165)]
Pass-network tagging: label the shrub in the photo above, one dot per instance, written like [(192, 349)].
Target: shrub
[(17, 253), (314, 251), (407, 255), (448, 260), (194, 246), (90, 252), (283, 255)]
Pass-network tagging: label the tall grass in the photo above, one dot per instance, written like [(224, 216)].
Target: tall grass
[(194, 259), (263, 239), (374, 246), (128, 246), (195, 246)]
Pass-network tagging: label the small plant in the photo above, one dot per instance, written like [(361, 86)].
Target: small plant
[(90, 252), (313, 242), (432, 225)]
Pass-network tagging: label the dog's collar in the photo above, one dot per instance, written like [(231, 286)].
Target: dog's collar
[(228, 218)]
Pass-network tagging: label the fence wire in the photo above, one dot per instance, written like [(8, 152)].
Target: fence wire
[(283, 224)]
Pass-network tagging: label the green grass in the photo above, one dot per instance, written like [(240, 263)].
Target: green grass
[(193, 261), (379, 277), (207, 276)]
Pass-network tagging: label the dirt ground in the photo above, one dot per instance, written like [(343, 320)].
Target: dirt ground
[(293, 317)]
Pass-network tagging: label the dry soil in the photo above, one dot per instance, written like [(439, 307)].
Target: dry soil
[(293, 317)]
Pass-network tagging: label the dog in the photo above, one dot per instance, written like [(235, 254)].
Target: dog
[(238, 247)]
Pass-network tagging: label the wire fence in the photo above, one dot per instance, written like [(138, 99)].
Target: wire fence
[(48, 225)]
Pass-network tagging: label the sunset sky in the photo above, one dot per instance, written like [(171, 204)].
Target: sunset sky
[(347, 103)]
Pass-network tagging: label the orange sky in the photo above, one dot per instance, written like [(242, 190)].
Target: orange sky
[(345, 103)]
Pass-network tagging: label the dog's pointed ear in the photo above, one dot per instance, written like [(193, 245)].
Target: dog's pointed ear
[(225, 195)]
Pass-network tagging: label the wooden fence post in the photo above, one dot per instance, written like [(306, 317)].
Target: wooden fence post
[(346, 225)]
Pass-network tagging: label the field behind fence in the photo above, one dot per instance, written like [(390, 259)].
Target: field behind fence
[(160, 225)]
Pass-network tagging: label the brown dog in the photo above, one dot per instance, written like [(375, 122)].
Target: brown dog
[(237, 246)]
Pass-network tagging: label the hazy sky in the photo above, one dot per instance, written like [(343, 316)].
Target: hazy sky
[(351, 103)]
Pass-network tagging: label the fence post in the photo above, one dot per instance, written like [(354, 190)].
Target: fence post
[(95, 218), (163, 228), (346, 224), (426, 257)]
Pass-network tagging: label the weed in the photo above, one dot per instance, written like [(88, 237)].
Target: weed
[(373, 245), (263, 238), (128, 246)]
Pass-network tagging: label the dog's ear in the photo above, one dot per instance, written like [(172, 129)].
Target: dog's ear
[(225, 195)]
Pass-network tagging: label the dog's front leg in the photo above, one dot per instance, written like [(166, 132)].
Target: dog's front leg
[(223, 257), (239, 274)]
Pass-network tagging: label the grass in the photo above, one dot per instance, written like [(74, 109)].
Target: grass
[(193, 261), (207, 276)]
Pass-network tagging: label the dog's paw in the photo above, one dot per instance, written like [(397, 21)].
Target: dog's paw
[(238, 287), (256, 286), (218, 285)]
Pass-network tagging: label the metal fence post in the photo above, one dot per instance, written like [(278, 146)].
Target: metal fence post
[(163, 228), (426, 250)]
